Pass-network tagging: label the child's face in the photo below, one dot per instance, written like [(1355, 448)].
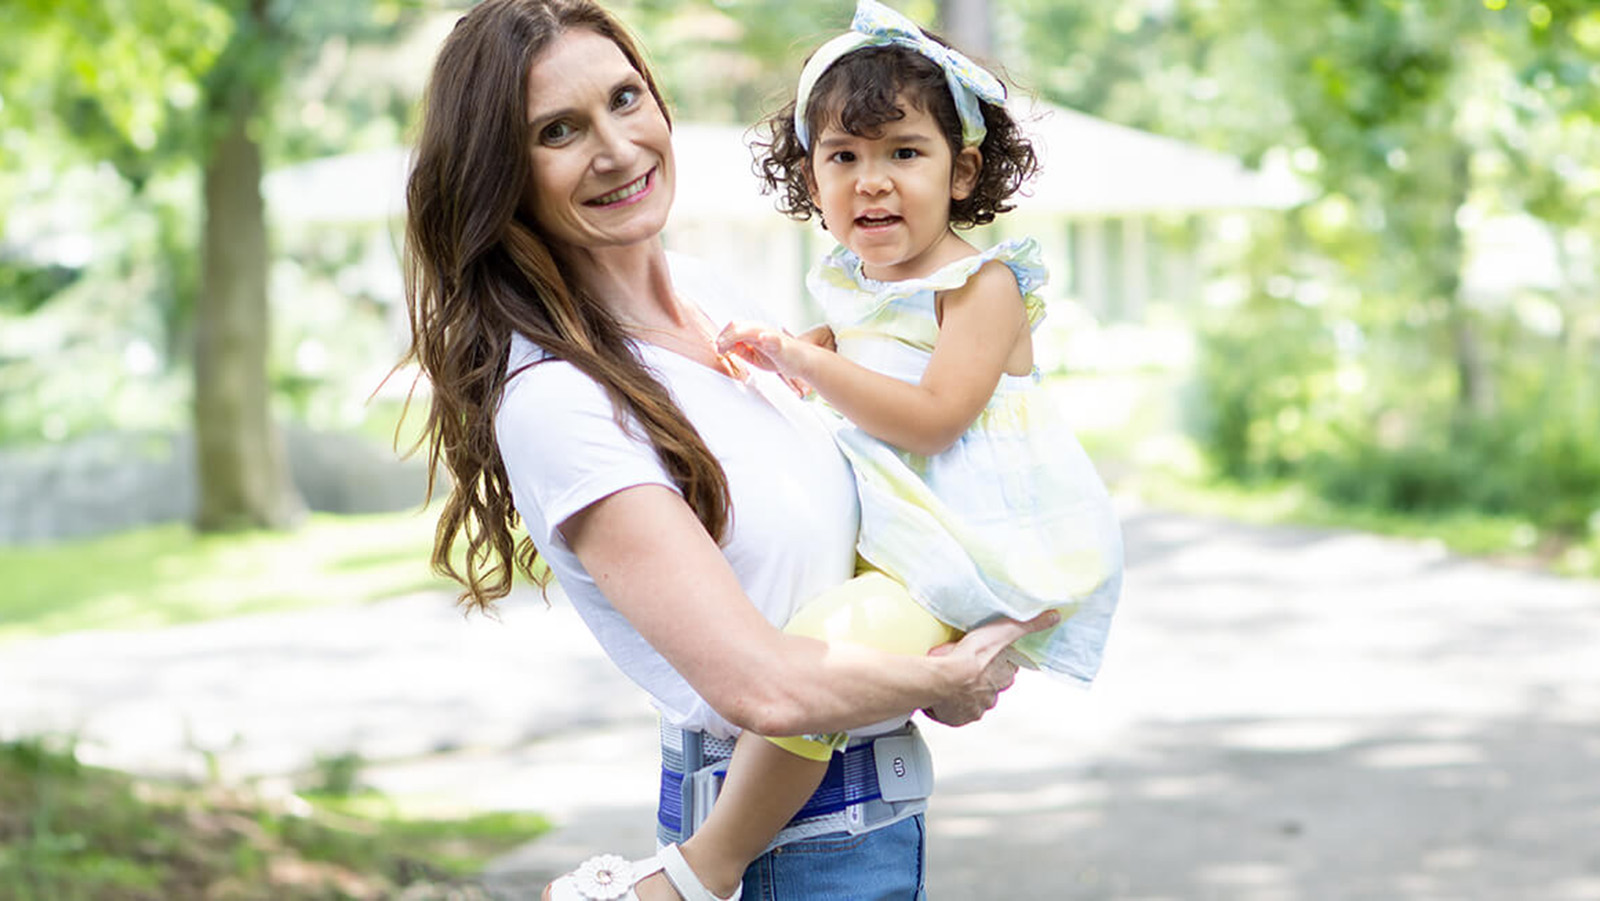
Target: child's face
[(888, 198)]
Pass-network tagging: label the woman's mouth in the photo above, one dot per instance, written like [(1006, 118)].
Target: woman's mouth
[(627, 192)]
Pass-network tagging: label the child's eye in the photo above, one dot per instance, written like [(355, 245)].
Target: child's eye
[(843, 156), (556, 133), (906, 153)]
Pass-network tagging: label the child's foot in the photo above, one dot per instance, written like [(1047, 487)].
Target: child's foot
[(656, 887), (665, 877), (721, 877)]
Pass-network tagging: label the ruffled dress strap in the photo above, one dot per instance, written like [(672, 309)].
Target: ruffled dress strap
[(847, 294)]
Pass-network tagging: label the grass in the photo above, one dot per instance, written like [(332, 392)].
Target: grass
[(69, 831), (165, 575)]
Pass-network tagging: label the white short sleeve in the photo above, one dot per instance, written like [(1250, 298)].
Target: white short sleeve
[(562, 445)]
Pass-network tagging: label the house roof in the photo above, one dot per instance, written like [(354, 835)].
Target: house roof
[(1091, 166)]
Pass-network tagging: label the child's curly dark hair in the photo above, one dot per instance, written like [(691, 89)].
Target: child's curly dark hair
[(860, 93)]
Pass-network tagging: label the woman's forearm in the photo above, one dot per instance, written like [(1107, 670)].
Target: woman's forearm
[(968, 677), (657, 566), (810, 686)]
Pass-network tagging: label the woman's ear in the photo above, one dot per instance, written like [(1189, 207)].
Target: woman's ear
[(964, 173)]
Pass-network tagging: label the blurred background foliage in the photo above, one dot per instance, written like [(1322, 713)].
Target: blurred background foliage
[(1351, 358), (1414, 346)]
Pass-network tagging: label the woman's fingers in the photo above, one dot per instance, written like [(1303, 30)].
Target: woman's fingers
[(994, 666)]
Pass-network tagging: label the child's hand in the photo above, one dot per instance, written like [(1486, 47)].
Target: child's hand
[(771, 349), (757, 345)]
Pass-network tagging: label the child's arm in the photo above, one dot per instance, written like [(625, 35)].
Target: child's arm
[(821, 336), (981, 322)]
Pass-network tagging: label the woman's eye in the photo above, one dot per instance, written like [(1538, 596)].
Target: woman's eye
[(555, 133), (625, 97)]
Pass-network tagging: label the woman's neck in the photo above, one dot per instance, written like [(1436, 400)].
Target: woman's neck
[(632, 282)]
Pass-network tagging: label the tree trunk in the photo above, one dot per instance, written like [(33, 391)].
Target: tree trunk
[(1474, 396), (969, 26), (243, 469)]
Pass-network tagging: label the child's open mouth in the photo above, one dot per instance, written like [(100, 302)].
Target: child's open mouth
[(876, 221)]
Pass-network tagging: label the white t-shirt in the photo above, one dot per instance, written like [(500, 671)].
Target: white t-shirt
[(792, 528)]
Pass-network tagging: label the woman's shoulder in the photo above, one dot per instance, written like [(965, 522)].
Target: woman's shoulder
[(555, 422), (540, 383)]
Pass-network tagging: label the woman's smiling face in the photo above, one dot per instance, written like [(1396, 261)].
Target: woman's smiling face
[(599, 145)]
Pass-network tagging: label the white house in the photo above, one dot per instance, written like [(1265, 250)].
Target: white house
[(1104, 208)]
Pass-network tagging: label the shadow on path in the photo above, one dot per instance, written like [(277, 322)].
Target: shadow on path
[(1283, 714)]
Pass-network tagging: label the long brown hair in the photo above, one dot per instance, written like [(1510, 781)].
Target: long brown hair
[(478, 271)]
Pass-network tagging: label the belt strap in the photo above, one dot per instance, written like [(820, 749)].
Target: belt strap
[(848, 797)]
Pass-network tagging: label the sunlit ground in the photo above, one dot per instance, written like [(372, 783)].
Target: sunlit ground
[(167, 574)]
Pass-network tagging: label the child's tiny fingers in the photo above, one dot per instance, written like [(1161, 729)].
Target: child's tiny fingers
[(734, 333)]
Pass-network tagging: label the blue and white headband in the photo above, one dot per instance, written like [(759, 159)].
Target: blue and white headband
[(876, 25)]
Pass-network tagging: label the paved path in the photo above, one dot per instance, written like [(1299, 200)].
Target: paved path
[(1283, 714)]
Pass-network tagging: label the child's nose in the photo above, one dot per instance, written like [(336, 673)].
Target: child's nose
[(872, 181)]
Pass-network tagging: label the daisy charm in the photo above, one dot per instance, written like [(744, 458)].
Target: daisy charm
[(604, 878)]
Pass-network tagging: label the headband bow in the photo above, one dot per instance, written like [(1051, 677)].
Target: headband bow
[(876, 25)]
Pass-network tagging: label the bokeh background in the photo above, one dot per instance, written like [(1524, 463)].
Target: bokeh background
[(1313, 261)]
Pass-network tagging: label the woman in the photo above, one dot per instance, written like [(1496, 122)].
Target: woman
[(686, 506)]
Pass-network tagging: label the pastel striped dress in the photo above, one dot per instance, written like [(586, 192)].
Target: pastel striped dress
[(1012, 519)]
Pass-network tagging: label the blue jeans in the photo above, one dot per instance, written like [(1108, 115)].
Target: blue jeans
[(883, 865)]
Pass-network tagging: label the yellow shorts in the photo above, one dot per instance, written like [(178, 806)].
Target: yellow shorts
[(872, 610)]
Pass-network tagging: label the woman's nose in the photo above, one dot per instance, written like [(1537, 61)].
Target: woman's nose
[(616, 149)]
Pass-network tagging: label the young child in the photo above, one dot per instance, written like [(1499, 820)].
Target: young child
[(975, 496)]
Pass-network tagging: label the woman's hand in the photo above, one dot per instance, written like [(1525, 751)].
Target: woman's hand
[(988, 649)]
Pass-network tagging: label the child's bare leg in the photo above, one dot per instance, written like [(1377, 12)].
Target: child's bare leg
[(765, 787)]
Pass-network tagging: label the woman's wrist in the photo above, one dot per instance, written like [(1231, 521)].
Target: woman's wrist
[(952, 676)]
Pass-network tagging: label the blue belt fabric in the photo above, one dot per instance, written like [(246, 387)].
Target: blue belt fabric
[(852, 778)]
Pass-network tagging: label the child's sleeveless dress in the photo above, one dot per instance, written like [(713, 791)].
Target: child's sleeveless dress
[(1012, 519)]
